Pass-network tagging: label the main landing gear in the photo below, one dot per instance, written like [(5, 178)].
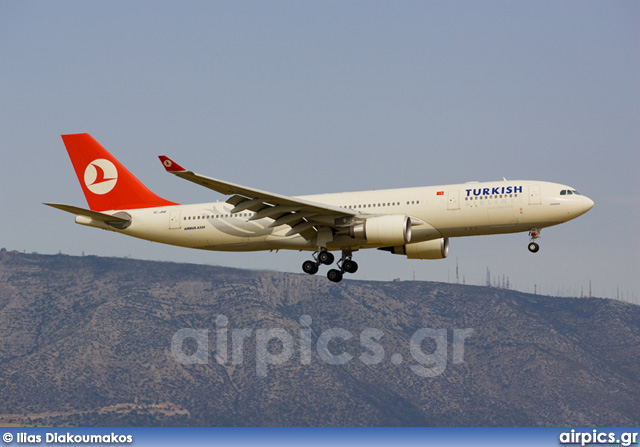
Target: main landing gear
[(345, 264), (534, 234)]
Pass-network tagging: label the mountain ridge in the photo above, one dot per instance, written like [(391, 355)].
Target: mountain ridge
[(88, 341)]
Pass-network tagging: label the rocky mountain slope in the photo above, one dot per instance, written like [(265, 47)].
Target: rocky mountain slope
[(104, 341)]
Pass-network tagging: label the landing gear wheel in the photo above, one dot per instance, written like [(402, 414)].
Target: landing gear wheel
[(326, 258), (534, 234), (350, 266), (310, 267), (334, 275)]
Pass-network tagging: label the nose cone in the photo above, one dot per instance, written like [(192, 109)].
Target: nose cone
[(582, 205), (588, 204)]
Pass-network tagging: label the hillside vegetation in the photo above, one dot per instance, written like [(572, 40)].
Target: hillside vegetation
[(88, 341)]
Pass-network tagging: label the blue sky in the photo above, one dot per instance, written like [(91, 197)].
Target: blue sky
[(301, 97)]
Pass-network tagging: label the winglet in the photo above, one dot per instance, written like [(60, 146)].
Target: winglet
[(170, 165)]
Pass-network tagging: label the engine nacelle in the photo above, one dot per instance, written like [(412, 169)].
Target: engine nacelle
[(435, 249), (389, 230)]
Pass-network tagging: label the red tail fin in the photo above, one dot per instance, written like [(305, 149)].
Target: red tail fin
[(106, 183)]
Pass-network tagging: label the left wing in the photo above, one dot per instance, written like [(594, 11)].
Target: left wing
[(304, 217)]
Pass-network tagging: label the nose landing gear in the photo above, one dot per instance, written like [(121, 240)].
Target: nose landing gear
[(345, 264), (534, 234)]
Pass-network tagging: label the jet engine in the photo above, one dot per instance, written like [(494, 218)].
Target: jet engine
[(434, 249), (391, 229)]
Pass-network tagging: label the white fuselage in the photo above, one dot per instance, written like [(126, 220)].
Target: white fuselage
[(467, 209)]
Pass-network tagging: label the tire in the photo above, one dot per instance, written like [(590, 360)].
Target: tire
[(334, 275), (325, 257), (310, 267), (533, 247), (350, 266)]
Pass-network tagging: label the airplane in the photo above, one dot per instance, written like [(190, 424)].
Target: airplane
[(415, 222)]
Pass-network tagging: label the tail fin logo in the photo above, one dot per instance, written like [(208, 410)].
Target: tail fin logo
[(100, 176)]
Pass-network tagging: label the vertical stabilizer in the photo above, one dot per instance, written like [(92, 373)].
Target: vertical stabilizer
[(106, 183)]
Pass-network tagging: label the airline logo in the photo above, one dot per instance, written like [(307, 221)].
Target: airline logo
[(100, 176), (494, 191)]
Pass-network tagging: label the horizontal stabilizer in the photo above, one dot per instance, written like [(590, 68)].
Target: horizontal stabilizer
[(95, 215)]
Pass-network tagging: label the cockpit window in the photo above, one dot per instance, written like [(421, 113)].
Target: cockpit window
[(576, 192), (568, 192)]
